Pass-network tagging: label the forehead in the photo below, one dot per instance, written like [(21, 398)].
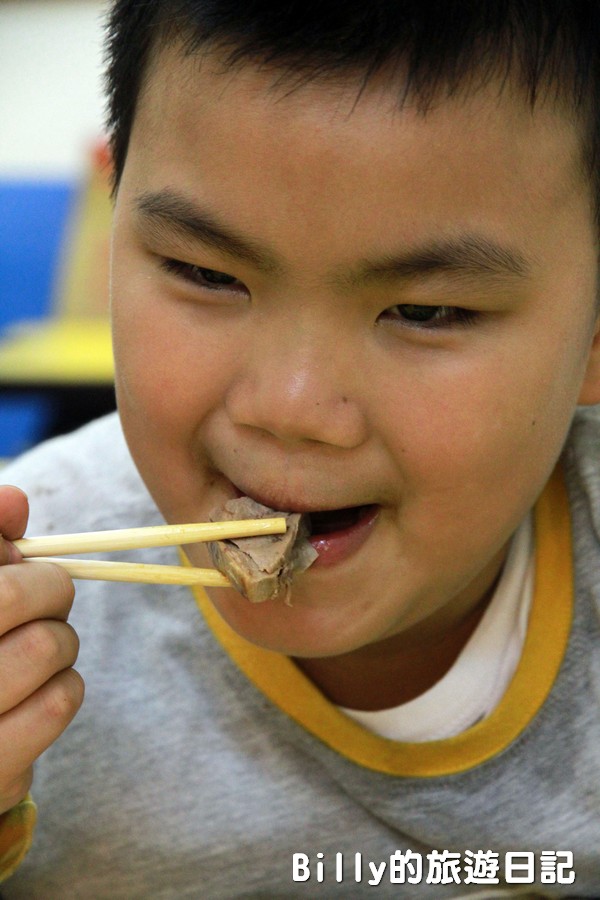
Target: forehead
[(329, 170), (196, 85)]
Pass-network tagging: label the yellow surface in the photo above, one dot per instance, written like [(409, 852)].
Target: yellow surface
[(72, 347), (81, 289), (64, 351)]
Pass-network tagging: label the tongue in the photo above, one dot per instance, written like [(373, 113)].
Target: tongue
[(334, 519)]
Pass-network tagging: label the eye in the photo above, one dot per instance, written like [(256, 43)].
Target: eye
[(421, 316), (211, 279)]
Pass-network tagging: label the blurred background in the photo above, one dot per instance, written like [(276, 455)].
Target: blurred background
[(55, 358)]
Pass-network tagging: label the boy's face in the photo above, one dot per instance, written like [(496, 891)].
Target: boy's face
[(406, 326)]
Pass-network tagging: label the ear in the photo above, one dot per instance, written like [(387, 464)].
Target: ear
[(590, 389)]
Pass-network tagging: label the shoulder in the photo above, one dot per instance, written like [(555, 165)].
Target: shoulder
[(585, 432), (82, 481), (581, 460), (582, 451)]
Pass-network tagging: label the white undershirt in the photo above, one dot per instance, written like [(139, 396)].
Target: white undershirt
[(475, 684)]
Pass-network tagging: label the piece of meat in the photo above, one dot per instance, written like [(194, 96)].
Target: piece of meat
[(262, 567)]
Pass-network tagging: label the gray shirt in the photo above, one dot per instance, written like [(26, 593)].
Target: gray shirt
[(183, 777)]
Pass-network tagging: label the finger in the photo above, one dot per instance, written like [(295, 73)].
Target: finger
[(33, 591), (14, 512), (30, 728), (30, 655)]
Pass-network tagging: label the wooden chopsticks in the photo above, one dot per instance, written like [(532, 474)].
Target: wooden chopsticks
[(142, 573), (41, 549)]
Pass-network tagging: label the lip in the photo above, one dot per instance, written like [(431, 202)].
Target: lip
[(336, 546), (332, 547), (280, 503)]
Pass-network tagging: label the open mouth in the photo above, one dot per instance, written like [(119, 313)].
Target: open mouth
[(334, 533), (324, 521), (338, 533), (332, 520)]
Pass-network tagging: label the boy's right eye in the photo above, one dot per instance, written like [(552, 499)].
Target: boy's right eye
[(211, 279)]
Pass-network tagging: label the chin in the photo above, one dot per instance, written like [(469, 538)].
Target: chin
[(298, 629)]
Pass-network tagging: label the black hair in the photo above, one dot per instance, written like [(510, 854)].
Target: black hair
[(439, 46)]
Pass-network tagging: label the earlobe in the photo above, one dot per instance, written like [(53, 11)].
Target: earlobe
[(590, 389)]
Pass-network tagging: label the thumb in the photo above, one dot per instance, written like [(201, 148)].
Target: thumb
[(14, 512)]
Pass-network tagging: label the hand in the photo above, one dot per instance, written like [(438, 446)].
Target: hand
[(39, 691)]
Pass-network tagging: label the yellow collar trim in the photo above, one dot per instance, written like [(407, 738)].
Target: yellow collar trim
[(281, 681)]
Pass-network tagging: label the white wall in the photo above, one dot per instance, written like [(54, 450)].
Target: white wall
[(51, 95)]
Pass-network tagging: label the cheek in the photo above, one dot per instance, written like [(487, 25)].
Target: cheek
[(469, 427), (170, 377), (172, 368)]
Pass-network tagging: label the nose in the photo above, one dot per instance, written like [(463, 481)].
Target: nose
[(299, 384)]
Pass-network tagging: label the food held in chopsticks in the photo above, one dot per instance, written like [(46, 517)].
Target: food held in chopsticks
[(262, 568), (37, 549)]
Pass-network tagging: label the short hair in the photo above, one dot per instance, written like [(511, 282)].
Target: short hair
[(439, 47)]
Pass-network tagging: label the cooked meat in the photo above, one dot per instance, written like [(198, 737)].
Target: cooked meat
[(262, 567)]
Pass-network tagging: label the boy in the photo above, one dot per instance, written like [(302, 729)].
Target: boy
[(354, 275)]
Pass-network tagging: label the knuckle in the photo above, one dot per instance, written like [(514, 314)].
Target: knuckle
[(63, 696), (41, 644), (62, 583), (40, 584), (72, 645)]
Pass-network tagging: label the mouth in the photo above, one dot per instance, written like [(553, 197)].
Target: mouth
[(337, 534), (334, 533), (330, 521)]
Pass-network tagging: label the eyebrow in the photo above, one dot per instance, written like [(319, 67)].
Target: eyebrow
[(463, 255), (165, 209)]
